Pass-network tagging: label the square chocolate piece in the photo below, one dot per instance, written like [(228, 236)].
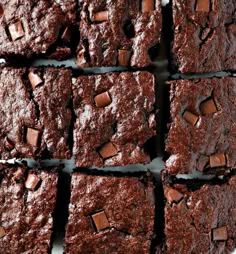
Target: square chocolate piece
[(205, 138), (204, 35), (118, 32), (109, 213), (115, 118), (200, 215), (35, 113), (27, 203)]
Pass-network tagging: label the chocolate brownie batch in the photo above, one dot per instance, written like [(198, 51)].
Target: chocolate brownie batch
[(106, 120)]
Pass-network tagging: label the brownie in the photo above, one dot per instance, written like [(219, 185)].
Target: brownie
[(202, 134), (118, 32), (35, 27), (35, 113), (110, 214), (115, 118), (27, 202), (204, 35), (200, 217)]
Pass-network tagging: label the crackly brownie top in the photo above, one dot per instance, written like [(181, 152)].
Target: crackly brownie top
[(110, 214), (201, 220), (204, 35), (118, 32), (35, 114), (114, 118), (29, 27), (27, 201), (202, 135)]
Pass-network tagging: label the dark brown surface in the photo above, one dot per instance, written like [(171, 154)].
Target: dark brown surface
[(26, 220), (210, 143), (108, 26), (128, 122), (203, 220), (127, 203), (37, 119), (204, 41)]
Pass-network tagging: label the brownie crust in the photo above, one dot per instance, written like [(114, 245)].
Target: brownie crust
[(202, 135)]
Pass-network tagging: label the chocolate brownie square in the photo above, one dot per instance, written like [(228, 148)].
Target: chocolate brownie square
[(204, 35), (110, 214), (35, 113), (200, 216), (202, 135), (114, 118), (118, 32), (27, 202)]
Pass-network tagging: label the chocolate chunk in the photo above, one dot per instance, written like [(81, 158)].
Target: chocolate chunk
[(18, 175), (9, 145), (34, 79), (203, 5), (1, 11), (124, 57), (102, 100), (100, 220), (100, 16), (190, 117), (32, 136), (217, 160), (16, 30), (173, 195), (32, 181), (220, 234), (232, 27), (208, 107), (66, 36), (108, 150), (2, 232), (147, 5)]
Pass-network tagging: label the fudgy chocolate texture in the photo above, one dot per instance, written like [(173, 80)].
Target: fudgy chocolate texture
[(26, 219), (204, 35), (109, 26), (114, 118), (200, 219), (69, 8), (128, 204), (205, 139), (35, 120)]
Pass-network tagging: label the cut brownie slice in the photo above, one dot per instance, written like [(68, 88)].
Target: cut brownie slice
[(27, 202), (200, 216), (110, 214), (204, 35), (114, 118), (118, 32), (202, 135), (35, 115)]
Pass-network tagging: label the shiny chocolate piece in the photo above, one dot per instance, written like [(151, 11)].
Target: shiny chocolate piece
[(9, 145), (16, 30), (208, 107), (66, 36), (34, 79), (190, 117), (217, 160), (100, 16), (203, 5), (102, 100), (148, 5), (124, 57), (1, 11), (32, 136), (32, 181), (220, 234), (100, 220), (173, 195), (2, 232), (108, 150)]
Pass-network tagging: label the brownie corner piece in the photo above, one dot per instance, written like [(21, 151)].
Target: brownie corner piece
[(202, 134), (208, 30), (200, 216), (115, 118), (27, 203), (115, 215), (118, 33)]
